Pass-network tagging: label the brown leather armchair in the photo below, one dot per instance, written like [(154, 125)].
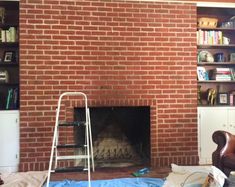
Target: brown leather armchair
[(224, 156), (1, 181)]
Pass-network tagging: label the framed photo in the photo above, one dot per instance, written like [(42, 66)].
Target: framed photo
[(232, 57), (8, 56), (223, 98), (202, 74)]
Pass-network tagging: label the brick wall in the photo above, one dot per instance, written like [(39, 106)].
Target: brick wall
[(119, 54)]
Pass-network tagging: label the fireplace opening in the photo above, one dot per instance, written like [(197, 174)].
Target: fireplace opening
[(121, 135)]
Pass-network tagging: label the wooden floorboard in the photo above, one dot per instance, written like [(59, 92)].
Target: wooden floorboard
[(110, 173)]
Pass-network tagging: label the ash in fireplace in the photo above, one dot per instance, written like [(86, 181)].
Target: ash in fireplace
[(112, 146)]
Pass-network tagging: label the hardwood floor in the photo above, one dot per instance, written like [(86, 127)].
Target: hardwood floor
[(110, 173)]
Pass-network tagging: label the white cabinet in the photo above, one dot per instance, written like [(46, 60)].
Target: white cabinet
[(9, 141), (211, 119), (231, 120)]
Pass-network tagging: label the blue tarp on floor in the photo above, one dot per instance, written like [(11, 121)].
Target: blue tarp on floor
[(122, 182)]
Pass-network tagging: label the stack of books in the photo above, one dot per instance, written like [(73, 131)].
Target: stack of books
[(209, 37), (224, 74)]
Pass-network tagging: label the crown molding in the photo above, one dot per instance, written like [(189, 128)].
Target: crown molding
[(198, 3)]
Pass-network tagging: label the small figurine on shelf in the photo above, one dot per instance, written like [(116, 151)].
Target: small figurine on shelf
[(219, 57), (199, 99), (211, 96), (2, 15), (4, 76)]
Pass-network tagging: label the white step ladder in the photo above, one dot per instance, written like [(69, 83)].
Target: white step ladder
[(87, 156)]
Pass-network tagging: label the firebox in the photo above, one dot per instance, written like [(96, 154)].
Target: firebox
[(121, 135)]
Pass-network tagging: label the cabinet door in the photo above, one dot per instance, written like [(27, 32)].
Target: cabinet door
[(9, 141), (210, 120), (231, 120)]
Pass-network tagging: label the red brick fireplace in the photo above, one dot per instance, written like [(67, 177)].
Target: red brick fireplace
[(121, 54)]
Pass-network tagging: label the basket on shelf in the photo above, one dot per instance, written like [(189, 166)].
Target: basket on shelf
[(207, 22)]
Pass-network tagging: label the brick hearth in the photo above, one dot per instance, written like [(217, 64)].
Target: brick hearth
[(119, 54)]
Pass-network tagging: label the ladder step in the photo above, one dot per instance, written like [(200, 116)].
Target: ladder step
[(71, 123), (70, 146), (70, 169), (72, 157)]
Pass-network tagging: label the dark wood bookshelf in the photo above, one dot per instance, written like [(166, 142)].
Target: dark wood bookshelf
[(12, 67)]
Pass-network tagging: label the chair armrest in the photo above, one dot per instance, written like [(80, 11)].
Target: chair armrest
[(225, 142)]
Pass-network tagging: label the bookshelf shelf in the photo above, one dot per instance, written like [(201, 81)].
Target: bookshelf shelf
[(9, 58), (217, 29), (9, 84), (216, 81), (215, 63), (7, 25), (219, 46), (7, 64), (9, 44)]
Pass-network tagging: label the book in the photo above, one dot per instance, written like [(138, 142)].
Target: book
[(12, 99), (3, 35), (232, 98), (9, 96), (12, 31), (223, 70), (232, 73), (14, 104)]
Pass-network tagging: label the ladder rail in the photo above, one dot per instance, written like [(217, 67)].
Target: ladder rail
[(88, 153), (55, 135), (91, 144), (53, 143), (56, 143)]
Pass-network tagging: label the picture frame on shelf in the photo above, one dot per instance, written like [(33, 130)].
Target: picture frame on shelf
[(223, 98), (232, 57), (202, 74), (8, 56)]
